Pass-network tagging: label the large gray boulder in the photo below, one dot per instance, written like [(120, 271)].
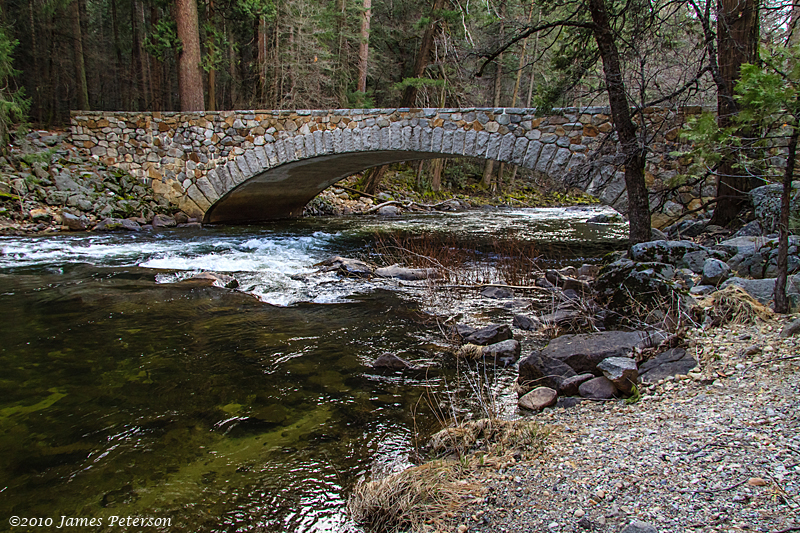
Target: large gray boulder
[(540, 370), (673, 362), (625, 284), (715, 272), (583, 352)]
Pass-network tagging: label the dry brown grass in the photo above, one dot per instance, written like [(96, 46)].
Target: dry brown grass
[(508, 261), (733, 305), (419, 498), (429, 496), (492, 436)]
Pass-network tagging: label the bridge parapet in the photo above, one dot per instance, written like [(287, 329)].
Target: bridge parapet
[(195, 160)]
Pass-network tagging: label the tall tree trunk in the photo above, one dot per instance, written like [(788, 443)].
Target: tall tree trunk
[(423, 57), (190, 77), (119, 84), (633, 151), (80, 65), (363, 47), (488, 167), (36, 69), (374, 179), (233, 70), (737, 43), (262, 58), (780, 298), (137, 69)]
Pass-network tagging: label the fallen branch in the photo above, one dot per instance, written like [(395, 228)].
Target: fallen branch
[(356, 191), (407, 205)]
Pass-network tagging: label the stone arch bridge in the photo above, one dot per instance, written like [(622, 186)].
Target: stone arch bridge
[(250, 166)]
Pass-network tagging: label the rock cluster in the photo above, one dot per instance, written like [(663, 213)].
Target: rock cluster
[(53, 187)]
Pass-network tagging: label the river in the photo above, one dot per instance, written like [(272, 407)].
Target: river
[(125, 394)]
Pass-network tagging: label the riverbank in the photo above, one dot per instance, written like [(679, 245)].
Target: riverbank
[(717, 451)]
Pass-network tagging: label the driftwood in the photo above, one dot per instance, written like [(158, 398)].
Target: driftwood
[(408, 205)]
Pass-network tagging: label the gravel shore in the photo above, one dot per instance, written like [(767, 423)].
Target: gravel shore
[(717, 450)]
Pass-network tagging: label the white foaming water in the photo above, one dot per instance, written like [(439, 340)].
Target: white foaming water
[(277, 269)]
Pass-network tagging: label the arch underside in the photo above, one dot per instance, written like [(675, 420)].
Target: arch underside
[(283, 191)]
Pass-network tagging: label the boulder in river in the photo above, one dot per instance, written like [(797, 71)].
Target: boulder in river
[(116, 224), (505, 352), (391, 362), (213, 279), (497, 293), (490, 335), (164, 221), (74, 223)]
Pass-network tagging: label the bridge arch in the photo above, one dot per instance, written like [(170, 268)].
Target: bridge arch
[(248, 166)]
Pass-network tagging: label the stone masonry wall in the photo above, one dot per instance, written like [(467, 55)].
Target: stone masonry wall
[(193, 159)]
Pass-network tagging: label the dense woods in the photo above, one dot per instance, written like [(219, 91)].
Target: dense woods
[(282, 54)]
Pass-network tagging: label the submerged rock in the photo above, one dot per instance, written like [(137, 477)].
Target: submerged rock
[(497, 293), (391, 362)]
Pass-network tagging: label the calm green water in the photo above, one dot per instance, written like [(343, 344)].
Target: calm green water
[(254, 410)]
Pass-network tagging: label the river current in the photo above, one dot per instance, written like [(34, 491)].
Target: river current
[(124, 393)]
